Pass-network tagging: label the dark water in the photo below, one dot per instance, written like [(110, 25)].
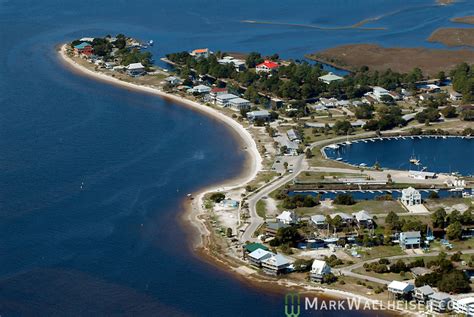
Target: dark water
[(115, 247), (436, 154)]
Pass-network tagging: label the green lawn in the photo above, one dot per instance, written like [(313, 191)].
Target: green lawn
[(379, 252), (262, 208)]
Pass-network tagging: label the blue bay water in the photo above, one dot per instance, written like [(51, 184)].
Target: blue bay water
[(114, 246)]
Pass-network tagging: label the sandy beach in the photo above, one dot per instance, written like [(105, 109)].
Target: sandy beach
[(193, 209)]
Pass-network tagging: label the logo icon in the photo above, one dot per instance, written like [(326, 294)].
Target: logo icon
[(292, 305)]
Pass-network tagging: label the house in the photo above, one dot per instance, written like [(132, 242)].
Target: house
[(266, 67), (87, 39), (439, 302), (421, 175), (224, 99), (345, 217), (421, 293), (464, 306), (84, 48), (287, 146), (288, 217), (409, 117), (271, 228), (318, 220), (172, 80), (318, 270), (200, 53), (380, 92), (229, 203), (256, 257), (238, 104), (410, 239), (455, 96), (358, 124), (328, 103), (400, 289), (201, 89), (275, 264), (239, 64), (363, 218), (249, 248), (263, 115), (135, 69), (293, 135), (329, 78), (411, 196), (217, 91)]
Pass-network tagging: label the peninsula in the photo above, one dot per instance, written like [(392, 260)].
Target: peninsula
[(292, 219)]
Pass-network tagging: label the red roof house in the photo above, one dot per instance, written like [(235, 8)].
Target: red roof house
[(266, 66)]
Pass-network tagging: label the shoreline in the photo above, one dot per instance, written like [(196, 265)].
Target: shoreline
[(192, 209)]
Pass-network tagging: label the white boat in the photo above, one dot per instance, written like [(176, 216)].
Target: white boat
[(150, 42), (339, 159), (362, 164), (333, 146)]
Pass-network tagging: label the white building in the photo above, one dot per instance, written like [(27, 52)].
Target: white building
[(275, 264), (256, 257), (464, 306), (288, 217), (410, 239), (379, 92), (266, 67), (258, 115), (411, 196), (135, 69), (224, 99), (319, 220), (455, 96), (439, 302), (318, 270), (293, 135), (363, 218), (239, 104), (201, 89), (421, 175), (400, 289), (172, 80), (329, 78)]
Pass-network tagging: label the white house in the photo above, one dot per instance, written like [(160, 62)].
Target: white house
[(421, 175), (329, 78), (318, 270), (288, 217), (464, 306), (318, 220), (345, 217), (293, 135), (379, 92), (411, 196), (202, 89), (258, 115), (172, 80), (239, 64), (363, 218), (224, 99), (439, 302), (256, 257), (410, 239), (275, 264), (239, 104), (422, 293), (266, 67), (135, 69), (400, 289)]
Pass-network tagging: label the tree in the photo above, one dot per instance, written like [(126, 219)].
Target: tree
[(342, 127), (438, 218), (433, 195), (217, 197), (454, 231), (449, 112), (344, 199), (393, 220), (308, 153), (454, 282), (398, 267), (329, 278), (229, 232), (288, 235)]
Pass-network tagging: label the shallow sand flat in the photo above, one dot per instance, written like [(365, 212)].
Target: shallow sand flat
[(453, 36)]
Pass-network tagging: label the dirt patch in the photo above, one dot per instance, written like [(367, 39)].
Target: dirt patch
[(402, 60), (453, 36), (465, 20)]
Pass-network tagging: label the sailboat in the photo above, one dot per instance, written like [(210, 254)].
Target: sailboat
[(414, 160), (347, 140)]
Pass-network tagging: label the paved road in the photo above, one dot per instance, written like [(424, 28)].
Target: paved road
[(255, 220), (347, 271)]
